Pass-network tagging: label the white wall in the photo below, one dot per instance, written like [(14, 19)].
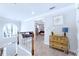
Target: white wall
[(27, 26), (69, 16), (77, 22)]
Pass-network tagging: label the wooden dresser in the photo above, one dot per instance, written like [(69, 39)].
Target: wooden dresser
[(59, 42)]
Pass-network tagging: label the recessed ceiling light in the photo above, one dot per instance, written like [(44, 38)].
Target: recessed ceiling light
[(33, 12)]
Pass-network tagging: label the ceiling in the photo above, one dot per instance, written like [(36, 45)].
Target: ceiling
[(24, 11)]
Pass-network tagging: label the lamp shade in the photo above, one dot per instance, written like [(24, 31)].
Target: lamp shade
[(65, 29)]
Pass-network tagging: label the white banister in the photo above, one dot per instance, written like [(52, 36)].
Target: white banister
[(4, 52)]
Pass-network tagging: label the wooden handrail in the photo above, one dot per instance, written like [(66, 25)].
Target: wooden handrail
[(33, 44)]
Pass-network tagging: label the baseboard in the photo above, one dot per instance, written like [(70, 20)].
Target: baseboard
[(15, 54), (73, 53)]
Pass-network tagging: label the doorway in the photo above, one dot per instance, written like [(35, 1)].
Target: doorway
[(39, 41)]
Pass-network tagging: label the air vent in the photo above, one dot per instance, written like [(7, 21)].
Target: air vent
[(51, 8)]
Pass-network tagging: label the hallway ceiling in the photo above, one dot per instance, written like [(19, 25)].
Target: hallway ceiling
[(25, 11)]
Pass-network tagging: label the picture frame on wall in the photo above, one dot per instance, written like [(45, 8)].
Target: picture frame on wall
[(58, 20)]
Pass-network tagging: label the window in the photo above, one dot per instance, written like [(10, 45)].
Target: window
[(9, 30)]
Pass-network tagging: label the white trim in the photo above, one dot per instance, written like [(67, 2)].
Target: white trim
[(4, 52), (25, 50)]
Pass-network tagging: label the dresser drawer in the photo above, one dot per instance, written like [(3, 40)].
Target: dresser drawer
[(55, 45), (64, 42), (63, 47)]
